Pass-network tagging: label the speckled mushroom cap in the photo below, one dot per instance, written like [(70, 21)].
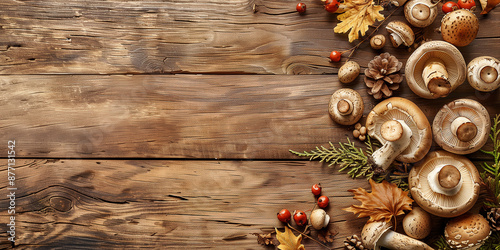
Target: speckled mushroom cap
[(417, 223), (449, 54), (440, 204), (483, 73), (403, 31), (459, 27), (397, 108), (372, 232), (355, 109), (467, 108), (468, 231)]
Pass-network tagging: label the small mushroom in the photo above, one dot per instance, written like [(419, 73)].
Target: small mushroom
[(417, 223), (444, 184), (483, 73), (403, 130), (398, 2), (378, 234), (319, 219), (346, 106), (461, 126), (459, 27), (435, 69), (348, 72), (421, 13), (400, 33), (377, 41), (468, 231)]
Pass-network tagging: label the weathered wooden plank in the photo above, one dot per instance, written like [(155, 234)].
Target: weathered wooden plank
[(167, 204), (187, 116), (105, 37)]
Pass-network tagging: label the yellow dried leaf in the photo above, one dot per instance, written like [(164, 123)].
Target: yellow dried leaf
[(357, 17), (384, 202), (288, 241)]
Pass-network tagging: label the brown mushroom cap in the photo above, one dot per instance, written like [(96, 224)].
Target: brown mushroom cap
[(459, 27), (420, 13), (473, 111), (417, 223), (348, 72), (401, 30), (346, 106), (377, 41), (467, 231), (437, 203), (483, 73), (402, 109), (372, 232), (446, 52)]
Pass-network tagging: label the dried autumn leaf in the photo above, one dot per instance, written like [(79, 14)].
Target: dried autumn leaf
[(288, 241), (384, 202), (326, 236), (267, 239), (357, 17)]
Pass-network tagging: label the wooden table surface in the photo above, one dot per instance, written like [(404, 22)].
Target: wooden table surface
[(167, 124)]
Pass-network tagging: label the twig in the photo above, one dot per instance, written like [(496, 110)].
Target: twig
[(309, 237)]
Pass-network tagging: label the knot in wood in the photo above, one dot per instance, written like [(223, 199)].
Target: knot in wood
[(61, 204)]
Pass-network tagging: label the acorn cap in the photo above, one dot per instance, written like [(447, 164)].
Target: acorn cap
[(447, 53), (459, 27), (421, 186), (479, 118), (467, 231), (346, 106)]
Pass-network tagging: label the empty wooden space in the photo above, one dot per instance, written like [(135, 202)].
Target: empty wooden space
[(168, 124)]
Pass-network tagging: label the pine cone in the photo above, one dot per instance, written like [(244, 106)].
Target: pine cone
[(493, 216), (353, 243), (382, 75)]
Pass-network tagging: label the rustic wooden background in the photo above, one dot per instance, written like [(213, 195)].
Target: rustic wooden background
[(167, 124)]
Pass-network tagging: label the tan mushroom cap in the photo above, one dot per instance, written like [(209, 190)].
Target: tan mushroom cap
[(397, 108), (348, 72), (451, 57), (400, 30), (483, 73), (459, 27), (437, 203), (372, 232), (417, 223), (420, 13), (346, 106), (468, 231), (473, 111)]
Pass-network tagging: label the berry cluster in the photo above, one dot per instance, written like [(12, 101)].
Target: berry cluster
[(461, 4)]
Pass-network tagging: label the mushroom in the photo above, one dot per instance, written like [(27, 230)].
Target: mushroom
[(435, 69), (444, 184), (378, 234), (400, 33), (461, 126), (421, 13), (319, 219), (468, 231), (377, 42), (417, 223), (348, 72), (346, 106), (398, 2), (483, 73), (459, 27), (403, 130)]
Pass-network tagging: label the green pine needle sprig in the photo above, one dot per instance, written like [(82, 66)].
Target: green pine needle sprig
[(491, 174)]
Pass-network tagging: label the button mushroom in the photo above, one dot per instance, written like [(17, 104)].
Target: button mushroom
[(398, 2), (346, 106), (417, 223), (459, 27), (435, 69), (461, 126), (444, 184), (377, 42), (378, 234), (400, 33), (468, 231), (319, 219), (483, 73), (348, 72), (402, 128), (421, 13)]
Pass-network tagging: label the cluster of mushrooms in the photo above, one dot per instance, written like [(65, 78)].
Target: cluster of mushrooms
[(443, 183)]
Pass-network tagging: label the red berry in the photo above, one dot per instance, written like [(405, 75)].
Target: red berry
[(301, 7), (316, 189), (323, 201), (335, 56), (284, 216), (449, 7), (300, 218), (466, 4), (331, 5)]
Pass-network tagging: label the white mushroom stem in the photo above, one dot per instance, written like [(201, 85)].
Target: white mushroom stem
[(397, 241), (345, 107), (397, 135), (463, 129), (445, 179), (435, 77)]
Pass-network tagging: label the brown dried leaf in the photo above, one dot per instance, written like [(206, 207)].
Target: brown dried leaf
[(326, 236), (384, 202), (267, 239), (288, 241)]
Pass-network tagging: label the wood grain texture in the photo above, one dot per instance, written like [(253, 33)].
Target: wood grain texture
[(72, 204), (206, 36), (207, 117)]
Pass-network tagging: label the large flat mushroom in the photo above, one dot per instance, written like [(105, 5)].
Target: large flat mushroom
[(403, 130), (461, 126), (444, 184)]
